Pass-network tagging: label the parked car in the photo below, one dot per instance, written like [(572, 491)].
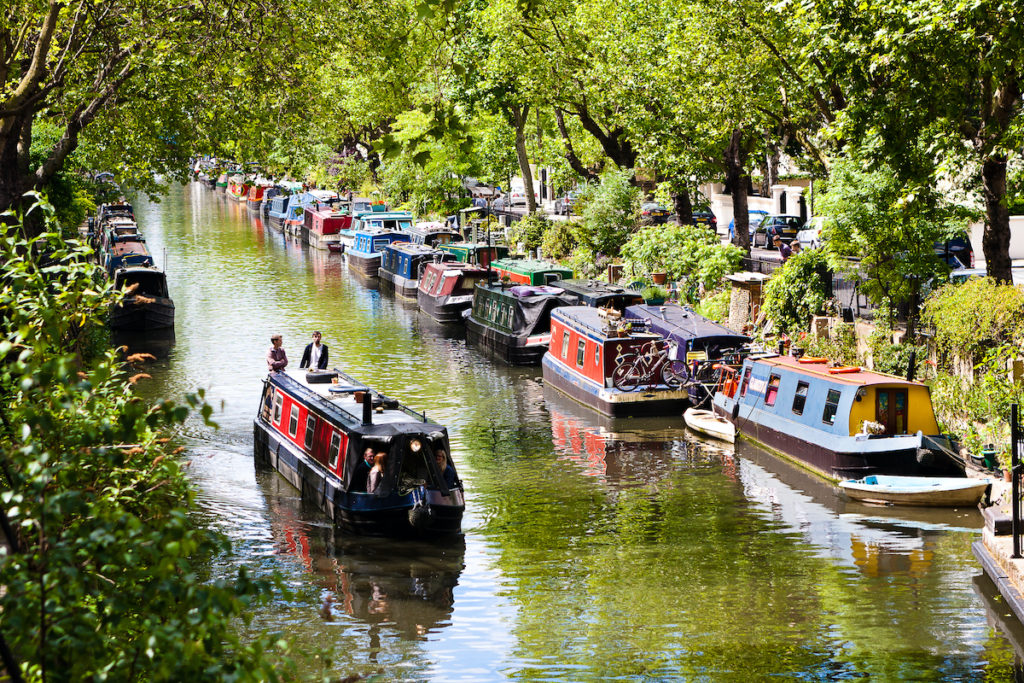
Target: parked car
[(957, 251), (810, 236), (706, 218), (754, 218), (962, 275), (517, 193), (653, 213), (773, 226), (564, 204)]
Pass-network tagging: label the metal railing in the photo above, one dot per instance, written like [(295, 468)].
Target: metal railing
[(1015, 470)]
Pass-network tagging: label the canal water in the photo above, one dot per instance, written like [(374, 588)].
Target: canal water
[(594, 549)]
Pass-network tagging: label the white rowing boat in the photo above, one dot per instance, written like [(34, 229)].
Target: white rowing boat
[(709, 424), (921, 491)]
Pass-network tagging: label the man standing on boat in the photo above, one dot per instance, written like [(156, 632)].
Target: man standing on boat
[(315, 354), (277, 359)]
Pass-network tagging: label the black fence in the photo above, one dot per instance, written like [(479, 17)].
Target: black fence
[(1015, 471), (852, 303)]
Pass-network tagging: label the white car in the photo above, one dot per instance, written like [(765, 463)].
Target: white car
[(809, 236), (517, 194)]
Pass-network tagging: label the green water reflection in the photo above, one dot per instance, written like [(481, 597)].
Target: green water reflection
[(594, 549)]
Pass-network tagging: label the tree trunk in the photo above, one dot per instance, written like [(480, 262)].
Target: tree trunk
[(519, 115), (570, 152), (15, 180), (735, 161), (683, 206), (996, 239)]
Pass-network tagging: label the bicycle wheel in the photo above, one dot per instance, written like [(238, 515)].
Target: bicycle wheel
[(673, 374), (626, 377)]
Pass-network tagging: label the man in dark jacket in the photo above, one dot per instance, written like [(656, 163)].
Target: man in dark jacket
[(315, 354)]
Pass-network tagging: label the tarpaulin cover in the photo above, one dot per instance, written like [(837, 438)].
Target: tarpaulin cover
[(691, 331), (533, 313)]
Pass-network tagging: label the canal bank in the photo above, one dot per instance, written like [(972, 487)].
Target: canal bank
[(594, 547)]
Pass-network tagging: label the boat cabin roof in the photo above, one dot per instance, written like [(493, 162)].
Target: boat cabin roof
[(525, 266), (455, 267), (413, 249), (682, 324), (592, 320), (123, 248), (597, 293), (861, 378)]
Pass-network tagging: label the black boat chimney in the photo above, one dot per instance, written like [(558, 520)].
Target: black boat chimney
[(367, 408), (911, 365)]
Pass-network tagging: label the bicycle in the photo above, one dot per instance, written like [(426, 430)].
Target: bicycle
[(654, 364)]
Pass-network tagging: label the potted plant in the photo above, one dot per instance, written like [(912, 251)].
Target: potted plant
[(654, 295)]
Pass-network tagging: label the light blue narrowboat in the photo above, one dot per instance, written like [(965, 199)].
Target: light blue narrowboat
[(840, 422), (278, 211), (384, 220), (364, 255), (401, 264)]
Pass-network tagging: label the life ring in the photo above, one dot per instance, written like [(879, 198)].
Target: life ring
[(843, 370), (812, 359)]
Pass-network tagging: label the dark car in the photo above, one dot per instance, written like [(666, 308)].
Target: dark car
[(956, 252), (773, 226), (653, 213), (706, 218)]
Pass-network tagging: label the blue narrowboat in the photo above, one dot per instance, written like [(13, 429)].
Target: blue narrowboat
[(315, 429), (364, 255), (514, 323), (840, 422), (384, 220), (433, 234), (278, 211), (401, 264)]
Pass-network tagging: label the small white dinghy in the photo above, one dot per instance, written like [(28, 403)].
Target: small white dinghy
[(920, 491), (709, 424)]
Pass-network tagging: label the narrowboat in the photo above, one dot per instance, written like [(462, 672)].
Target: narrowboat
[(840, 422), (401, 264), (314, 428), (295, 221), (433, 234), (384, 220), (514, 323), (323, 225), (702, 342), (601, 294), (278, 211), (115, 230), (586, 347), (125, 254), (268, 196), (148, 306), (222, 182), (238, 188), (254, 198), (364, 255), (445, 289), (529, 271), (477, 253)]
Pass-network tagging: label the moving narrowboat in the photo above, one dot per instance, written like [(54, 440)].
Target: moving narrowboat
[(323, 225), (401, 264), (364, 255), (315, 432), (477, 253), (445, 289), (514, 323), (148, 306), (433, 234), (587, 345), (530, 271), (840, 422), (702, 342), (601, 294)]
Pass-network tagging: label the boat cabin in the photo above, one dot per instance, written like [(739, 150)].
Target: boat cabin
[(514, 323), (433, 234), (530, 271), (408, 259), (149, 281), (475, 252), (700, 338), (384, 220), (374, 241), (124, 254), (445, 289), (601, 294)]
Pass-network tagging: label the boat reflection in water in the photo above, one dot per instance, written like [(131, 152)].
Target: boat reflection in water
[(403, 588), (159, 343)]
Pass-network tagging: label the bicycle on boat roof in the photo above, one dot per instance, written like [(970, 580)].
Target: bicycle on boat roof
[(655, 363)]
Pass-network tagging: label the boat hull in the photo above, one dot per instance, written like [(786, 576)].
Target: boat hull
[(363, 264), (157, 313), (917, 491), (358, 513), (446, 310), (610, 401), (512, 349), (398, 285)]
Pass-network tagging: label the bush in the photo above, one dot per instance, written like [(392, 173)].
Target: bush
[(797, 291), (716, 306), (840, 347), (559, 239), (975, 316), (611, 212), (528, 232)]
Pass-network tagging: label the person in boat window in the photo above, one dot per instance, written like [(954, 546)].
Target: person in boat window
[(315, 354), (447, 470), (360, 478), (277, 359), (376, 477), (784, 250)]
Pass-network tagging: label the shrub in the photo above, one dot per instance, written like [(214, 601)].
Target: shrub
[(975, 316), (611, 212), (797, 291), (840, 347), (559, 239), (528, 232), (716, 306)]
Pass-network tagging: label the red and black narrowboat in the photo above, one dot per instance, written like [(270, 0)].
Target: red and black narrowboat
[(323, 224), (586, 347), (314, 427), (446, 289)]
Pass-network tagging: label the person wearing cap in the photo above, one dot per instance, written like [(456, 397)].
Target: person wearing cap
[(315, 354), (277, 359)]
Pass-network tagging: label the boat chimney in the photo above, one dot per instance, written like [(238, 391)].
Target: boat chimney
[(911, 365), (367, 408)]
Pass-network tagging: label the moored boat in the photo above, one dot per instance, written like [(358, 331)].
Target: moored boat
[(147, 306), (529, 271), (323, 225), (601, 294), (514, 323), (278, 211), (476, 253), (843, 423), (238, 187), (433, 234), (918, 491), (122, 254), (254, 198), (364, 256), (445, 289), (401, 264), (709, 424), (586, 348), (315, 432), (295, 220)]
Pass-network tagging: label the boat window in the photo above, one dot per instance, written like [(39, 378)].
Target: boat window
[(565, 343), (293, 421), (773, 390), (800, 398), (278, 399), (831, 407), (334, 452), (745, 382), (580, 351), (310, 429), (597, 354)]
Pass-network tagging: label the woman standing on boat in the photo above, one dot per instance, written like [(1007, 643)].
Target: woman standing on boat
[(376, 474)]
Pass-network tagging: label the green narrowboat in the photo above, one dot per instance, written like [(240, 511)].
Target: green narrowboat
[(530, 271), (477, 253)]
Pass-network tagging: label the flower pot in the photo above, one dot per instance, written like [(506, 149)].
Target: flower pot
[(659, 278), (1007, 474), (796, 352)]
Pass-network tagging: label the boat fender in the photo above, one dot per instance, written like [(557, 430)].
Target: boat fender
[(925, 457), (419, 515), (735, 411)]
